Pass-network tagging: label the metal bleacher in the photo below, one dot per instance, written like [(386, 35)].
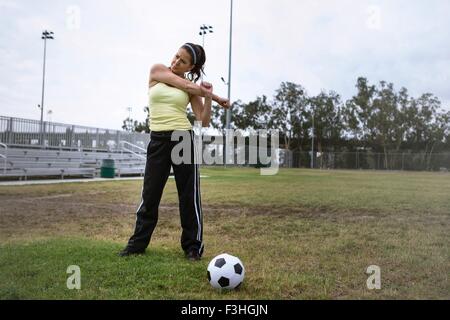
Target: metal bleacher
[(79, 151), (23, 163)]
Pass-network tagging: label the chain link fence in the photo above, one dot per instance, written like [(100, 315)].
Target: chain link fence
[(366, 160)]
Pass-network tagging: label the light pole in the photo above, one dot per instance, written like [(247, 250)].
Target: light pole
[(228, 118), (204, 29), (45, 35), (228, 85)]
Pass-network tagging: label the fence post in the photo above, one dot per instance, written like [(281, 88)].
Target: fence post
[(47, 133), (97, 139), (71, 135), (117, 138), (10, 130)]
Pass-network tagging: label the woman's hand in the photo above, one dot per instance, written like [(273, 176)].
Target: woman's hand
[(225, 103), (207, 88)]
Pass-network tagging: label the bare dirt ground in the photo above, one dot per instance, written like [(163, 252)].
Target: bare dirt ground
[(96, 215), (102, 214)]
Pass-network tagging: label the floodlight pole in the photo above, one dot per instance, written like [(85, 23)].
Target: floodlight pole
[(203, 30), (228, 115), (228, 112), (45, 35)]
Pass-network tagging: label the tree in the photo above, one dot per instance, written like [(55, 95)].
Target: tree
[(383, 118), (404, 118), (128, 124), (373, 116), (131, 125), (429, 127), (219, 114), (325, 107), (358, 111), (289, 110), (253, 115)]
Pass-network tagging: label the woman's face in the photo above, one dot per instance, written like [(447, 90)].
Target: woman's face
[(181, 62)]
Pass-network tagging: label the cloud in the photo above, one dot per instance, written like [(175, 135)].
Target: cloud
[(98, 64), (9, 4)]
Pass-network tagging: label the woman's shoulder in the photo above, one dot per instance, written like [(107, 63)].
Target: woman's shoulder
[(158, 67)]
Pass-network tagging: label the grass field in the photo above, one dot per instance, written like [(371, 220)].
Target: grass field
[(302, 234)]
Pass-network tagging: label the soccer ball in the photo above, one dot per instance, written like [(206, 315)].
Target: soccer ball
[(226, 272)]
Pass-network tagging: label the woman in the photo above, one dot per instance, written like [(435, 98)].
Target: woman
[(169, 94)]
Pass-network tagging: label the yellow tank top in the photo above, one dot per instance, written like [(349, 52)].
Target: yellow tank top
[(167, 108)]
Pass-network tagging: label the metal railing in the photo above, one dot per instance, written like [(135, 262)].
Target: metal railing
[(4, 156), (130, 149), (33, 133)]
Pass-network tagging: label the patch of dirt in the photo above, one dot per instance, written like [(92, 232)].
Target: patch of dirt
[(98, 215)]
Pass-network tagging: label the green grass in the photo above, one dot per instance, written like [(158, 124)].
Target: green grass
[(43, 265), (301, 234)]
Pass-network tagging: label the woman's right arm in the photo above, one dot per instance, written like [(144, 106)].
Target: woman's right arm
[(161, 73)]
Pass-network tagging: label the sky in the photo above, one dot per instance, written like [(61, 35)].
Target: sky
[(97, 66)]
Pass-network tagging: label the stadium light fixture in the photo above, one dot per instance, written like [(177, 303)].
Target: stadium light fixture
[(204, 29)]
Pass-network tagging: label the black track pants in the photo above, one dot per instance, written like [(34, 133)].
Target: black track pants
[(187, 179)]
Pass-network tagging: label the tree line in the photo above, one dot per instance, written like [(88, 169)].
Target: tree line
[(377, 118)]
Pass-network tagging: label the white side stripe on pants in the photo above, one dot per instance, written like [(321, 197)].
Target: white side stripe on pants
[(142, 202), (196, 191)]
